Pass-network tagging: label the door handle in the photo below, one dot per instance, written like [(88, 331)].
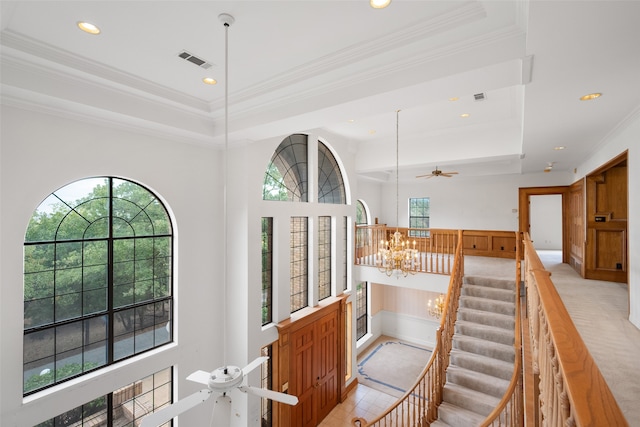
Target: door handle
[(317, 382)]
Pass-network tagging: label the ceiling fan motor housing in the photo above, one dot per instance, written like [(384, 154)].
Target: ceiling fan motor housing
[(225, 379)]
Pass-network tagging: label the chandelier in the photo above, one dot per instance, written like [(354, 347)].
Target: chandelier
[(436, 307), (396, 256)]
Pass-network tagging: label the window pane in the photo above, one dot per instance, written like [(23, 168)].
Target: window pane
[(324, 257), (299, 263), (267, 266), (286, 175), (330, 184)]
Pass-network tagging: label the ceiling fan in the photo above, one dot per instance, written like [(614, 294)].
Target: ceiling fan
[(436, 173), (221, 381)]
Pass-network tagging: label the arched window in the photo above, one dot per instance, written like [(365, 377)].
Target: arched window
[(286, 176), (330, 183), (98, 264)]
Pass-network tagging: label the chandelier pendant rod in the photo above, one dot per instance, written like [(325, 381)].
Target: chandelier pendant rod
[(397, 167)]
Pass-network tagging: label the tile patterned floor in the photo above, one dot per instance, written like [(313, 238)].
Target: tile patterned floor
[(362, 402)]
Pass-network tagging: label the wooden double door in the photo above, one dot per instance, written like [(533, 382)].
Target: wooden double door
[(312, 345)]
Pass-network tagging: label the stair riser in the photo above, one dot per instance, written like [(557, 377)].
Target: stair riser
[(488, 305), (486, 332), (490, 283), (491, 385), (488, 293), (498, 369), (484, 318), (484, 348), (479, 406), (455, 418)]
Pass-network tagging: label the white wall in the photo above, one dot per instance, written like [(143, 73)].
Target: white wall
[(625, 137), (545, 220), (40, 153), (471, 203)]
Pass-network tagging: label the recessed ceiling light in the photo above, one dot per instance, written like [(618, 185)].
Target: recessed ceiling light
[(379, 4), (465, 115), (590, 96), (209, 80), (351, 120), (558, 148), (372, 132), (453, 98), (88, 27)]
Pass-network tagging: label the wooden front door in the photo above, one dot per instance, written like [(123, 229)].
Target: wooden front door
[(315, 349)]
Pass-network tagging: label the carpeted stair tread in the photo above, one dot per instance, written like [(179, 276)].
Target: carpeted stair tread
[(483, 364), (484, 347), (486, 318), (490, 282), (484, 304), (468, 399), (487, 292), (487, 332), (453, 416), (478, 381)]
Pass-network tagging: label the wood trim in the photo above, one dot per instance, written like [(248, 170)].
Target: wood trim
[(286, 329), (524, 213)]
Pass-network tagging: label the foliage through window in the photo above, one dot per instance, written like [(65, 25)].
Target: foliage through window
[(286, 176), (98, 268), (419, 216), (361, 213), (267, 270), (330, 183), (299, 263), (124, 407)]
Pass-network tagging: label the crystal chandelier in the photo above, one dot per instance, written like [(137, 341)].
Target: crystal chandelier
[(436, 307), (395, 256)]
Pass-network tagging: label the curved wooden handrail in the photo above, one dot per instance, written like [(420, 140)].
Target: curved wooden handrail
[(419, 405)]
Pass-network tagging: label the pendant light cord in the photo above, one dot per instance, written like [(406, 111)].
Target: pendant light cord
[(225, 172), (397, 167)]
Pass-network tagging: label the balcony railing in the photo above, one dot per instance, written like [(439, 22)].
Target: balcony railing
[(436, 247)]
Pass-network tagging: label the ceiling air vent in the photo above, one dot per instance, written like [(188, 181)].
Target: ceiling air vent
[(194, 60), (479, 96)]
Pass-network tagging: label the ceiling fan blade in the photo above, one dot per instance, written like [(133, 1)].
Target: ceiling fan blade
[(162, 416), (253, 365), (450, 173), (422, 176), (270, 394), (221, 411), (201, 377)]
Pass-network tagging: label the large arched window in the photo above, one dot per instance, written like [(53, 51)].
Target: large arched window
[(98, 262)]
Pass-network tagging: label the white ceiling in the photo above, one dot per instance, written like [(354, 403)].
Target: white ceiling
[(302, 65)]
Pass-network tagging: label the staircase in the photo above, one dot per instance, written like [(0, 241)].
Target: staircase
[(482, 357)]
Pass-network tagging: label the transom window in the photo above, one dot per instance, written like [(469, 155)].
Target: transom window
[(98, 275), (330, 184), (286, 175)]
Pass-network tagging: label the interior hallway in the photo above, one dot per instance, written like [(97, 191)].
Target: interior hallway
[(599, 310)]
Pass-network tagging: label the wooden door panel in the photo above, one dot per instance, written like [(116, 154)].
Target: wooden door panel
[(327, 364), (303, 376)]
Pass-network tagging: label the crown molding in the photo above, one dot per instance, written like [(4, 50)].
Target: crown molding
[(46, 52)]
